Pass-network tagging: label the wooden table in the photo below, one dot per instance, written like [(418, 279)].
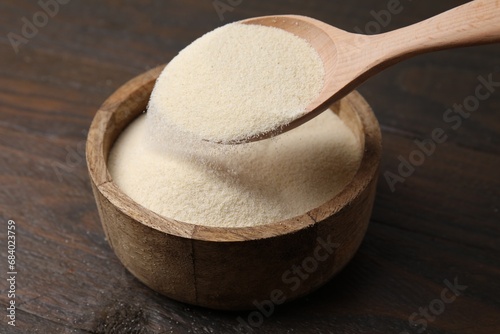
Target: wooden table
[(437, 225)]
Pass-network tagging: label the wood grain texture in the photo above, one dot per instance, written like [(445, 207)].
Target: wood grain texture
[(441, 223)]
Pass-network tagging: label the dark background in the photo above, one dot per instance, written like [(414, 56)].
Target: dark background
[(442, 223)]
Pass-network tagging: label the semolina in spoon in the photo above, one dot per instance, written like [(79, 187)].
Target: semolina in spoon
[(349, 59)]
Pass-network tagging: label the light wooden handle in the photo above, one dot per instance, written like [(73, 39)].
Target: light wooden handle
[(476, 22)]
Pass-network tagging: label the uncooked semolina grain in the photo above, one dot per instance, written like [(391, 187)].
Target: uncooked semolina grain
[(251, 184), (236, 82)]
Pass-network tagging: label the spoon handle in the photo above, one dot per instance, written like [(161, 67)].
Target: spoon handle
[(476, 22)]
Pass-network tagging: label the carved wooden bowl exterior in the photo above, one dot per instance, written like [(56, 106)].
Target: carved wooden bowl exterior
[(231, 268)]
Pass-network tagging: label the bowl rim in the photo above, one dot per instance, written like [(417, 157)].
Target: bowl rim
[(137, 91)]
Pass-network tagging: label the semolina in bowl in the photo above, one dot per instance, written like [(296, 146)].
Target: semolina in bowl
[(231, 267)]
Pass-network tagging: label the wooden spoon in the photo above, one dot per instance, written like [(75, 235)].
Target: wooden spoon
[(350, 59)]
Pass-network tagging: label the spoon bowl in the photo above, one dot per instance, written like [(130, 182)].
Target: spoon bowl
[(349, 59)]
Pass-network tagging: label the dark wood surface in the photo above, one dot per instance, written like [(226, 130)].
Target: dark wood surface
[(441, 224)]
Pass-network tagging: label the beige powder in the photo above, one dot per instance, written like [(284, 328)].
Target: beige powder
[(241, 185), (235, 82)]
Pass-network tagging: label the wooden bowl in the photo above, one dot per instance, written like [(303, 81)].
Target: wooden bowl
[(230, 268)]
